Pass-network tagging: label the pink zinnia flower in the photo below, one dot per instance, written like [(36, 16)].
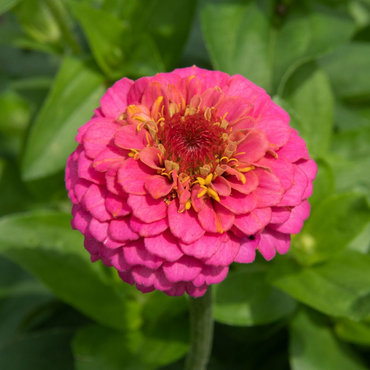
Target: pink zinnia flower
[(176, 176)]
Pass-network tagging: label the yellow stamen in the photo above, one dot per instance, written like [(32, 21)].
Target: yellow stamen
[(203, 192), (213, 194), (188, 204), (147, 138), (208, 179), (246, 169)]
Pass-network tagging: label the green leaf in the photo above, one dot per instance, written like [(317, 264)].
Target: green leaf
[(242, 37), (238, 35), (348, 70), (309, 94), (313, 346), (96, 347), (246, 299), (167, 22), (323, 184), (349, 157), (310, 30), (339, 287), (70, 103), (44, 244), (105, 34), (38, 351), (350, 118), (20, 294), (38, 22), (5, 5), (332, 225), (171, 32), (354, 332)]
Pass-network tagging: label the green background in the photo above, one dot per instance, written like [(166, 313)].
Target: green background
[(308, 310)]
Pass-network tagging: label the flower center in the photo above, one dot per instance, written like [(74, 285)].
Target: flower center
[(192, 140)]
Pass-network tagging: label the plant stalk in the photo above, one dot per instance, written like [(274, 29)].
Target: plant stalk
[(201, 332)]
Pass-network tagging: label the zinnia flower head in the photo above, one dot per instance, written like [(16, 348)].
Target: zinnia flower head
[(176, 176)]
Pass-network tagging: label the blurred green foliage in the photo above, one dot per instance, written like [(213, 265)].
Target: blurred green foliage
[(308, 310)]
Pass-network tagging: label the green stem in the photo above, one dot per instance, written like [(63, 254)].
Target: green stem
[(201, 332), (61, 16)]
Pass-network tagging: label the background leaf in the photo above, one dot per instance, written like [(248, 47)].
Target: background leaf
[(245, 299), (313, 346), (339, 287), (308, 93), (74, 94), (45, 245)]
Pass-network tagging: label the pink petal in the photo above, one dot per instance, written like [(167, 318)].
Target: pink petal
[(94, 202), (177, 290), (208, 218), (295, 223), (146, 230), (144, 289), (126, 276), (205, 247), (99, 230), (269, 191), (135, 94), (211, 97), (253, 222), (222, 186), (254, 146), (226, 254), (234, 108), (158, 186), (224, 216), (240, 86), (151, 157), (111, 181), (132, 176), (135, 253), (271, 240), (147, 277), (295, 194), (114, 101), (98, 136), (120, 230), (164, 245), (108, 157), (81, 188), (239, 203), (92, 245), (87, 172), (184, 226), (112, 244), (280, 215), (211, 275), (247, 251), (295, 149), (117, 205), (127, 137), (196, 292), (152, 91), (147, 209), (71, 178), (309, 167), (184, 269), (251, 183), (197, 203), (276, 129), (120, 263), (81, 219), (274, 110), (280, 167)]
